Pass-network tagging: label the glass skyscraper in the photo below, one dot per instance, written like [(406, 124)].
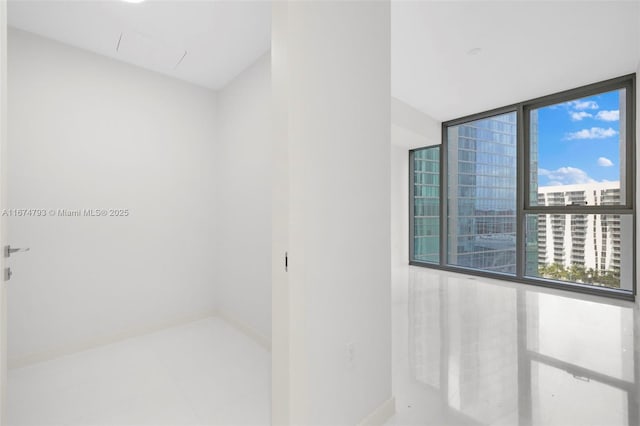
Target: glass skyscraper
[(482, 183), (426, 192)]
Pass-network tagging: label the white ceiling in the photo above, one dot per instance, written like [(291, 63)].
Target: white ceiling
[(529, 49), (221, 38)]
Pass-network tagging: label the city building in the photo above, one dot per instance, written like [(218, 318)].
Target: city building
[(482, 162), (587, 241), (426, 168)]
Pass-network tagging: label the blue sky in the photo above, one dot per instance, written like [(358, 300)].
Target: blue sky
[(578, 141)]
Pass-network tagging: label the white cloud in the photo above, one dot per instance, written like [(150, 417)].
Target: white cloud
[(582, 104), (604, 162), (579, 115), (613, 115), (592, 133), (566, 176)]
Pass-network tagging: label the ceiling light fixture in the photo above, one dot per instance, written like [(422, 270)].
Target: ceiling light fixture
[(133, 1), (475, 51)]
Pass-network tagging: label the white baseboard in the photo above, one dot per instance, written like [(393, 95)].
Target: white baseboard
[(58, 352), (250, 332), (381, 414)]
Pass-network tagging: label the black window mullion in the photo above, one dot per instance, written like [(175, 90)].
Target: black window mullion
[(522, 189), (412, 219), (630, 143), (444, 187)]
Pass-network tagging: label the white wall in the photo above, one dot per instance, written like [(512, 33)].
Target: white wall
[(3, 174), (338, 132), (243, 234), (410, 129), (90, 132), (281, 365)]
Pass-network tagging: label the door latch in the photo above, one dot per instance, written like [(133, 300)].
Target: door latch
[(286, 261), (7, 274), (8, 250)]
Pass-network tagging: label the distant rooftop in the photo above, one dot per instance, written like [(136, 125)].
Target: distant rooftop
[(579, 187)]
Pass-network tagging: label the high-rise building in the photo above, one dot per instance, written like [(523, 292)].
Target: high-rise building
[(482, 221), (481, 205), (426, 168), (482, 166), (588, 241)]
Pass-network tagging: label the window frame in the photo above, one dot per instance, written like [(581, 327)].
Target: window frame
[(412, 203), (523, 207)]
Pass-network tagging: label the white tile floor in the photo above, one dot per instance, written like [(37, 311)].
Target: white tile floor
[(202, 373), (469, 351), (466, 351)]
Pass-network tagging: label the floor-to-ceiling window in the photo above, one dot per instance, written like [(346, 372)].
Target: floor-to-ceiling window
[(540, 192)]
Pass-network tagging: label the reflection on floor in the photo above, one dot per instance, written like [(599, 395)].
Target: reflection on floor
[(470, 351), (205, 372)]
